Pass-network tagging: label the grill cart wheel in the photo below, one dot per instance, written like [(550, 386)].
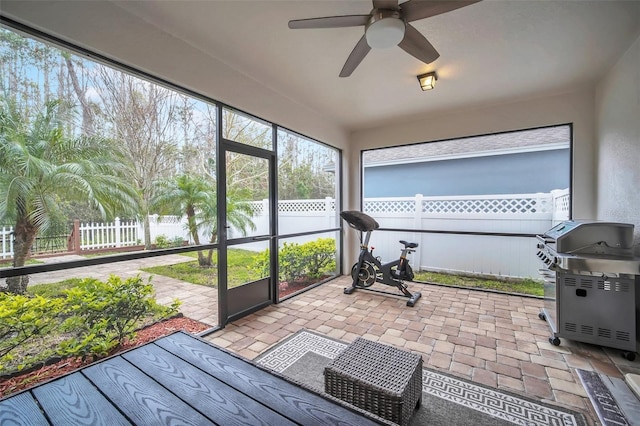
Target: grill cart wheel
[(555, 341), (630, 356), (542, 316)]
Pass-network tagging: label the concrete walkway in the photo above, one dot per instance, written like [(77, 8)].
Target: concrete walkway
[(198, 302)]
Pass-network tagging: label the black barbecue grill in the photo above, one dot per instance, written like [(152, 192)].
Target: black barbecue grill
[(590, 278)]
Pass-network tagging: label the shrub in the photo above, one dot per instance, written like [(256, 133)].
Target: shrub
[(291, 262), (105, 313), (90, 318), (319, 257), (162, 242), (261, 264), (177, 242), (310, 260), (24, 319)]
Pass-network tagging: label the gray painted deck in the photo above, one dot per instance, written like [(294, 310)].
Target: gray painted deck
[(178, 379)]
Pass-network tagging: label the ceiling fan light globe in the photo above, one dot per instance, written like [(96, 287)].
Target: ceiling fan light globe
[(383, 33)]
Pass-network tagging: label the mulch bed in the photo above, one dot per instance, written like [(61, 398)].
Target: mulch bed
[(20, 382), (145, 335), (287, 288)]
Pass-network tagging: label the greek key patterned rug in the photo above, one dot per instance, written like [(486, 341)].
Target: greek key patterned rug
[(446, 400)]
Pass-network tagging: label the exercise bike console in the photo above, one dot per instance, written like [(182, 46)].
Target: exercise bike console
[(369, 270)]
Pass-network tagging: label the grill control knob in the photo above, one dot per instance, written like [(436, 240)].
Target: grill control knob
[(540, 246)]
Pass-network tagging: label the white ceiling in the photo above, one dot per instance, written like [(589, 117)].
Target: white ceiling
[(491, 52)]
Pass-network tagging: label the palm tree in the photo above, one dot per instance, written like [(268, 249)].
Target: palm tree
[(183, 195), (239, 215), (40, 166), (195, 197)]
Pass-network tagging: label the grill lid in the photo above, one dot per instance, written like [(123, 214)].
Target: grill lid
[(589, 247), (591, 237)]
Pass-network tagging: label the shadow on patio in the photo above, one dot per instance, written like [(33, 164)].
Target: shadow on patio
[(491, 339)]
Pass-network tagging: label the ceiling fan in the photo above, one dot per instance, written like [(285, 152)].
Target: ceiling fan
[(387, 25)]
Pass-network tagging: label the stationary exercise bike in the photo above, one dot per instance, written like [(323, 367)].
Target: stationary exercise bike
[(369, 269)]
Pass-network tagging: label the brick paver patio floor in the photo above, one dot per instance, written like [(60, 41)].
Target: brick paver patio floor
[(489, 338), (493, 339)]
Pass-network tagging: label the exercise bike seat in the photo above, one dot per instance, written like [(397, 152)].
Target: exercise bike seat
[(408, 245), (360, 221)]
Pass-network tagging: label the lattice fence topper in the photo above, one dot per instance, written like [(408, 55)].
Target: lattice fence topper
[(489, 206), (257, 207), (301, 206), (296, 206), (395, 206), (562, 203)]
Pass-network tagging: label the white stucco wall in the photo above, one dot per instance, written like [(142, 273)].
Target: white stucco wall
[(618, 142)]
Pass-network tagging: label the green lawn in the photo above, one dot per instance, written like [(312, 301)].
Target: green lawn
[(53, 289), (9, 263), (241, 269), (524, 286)]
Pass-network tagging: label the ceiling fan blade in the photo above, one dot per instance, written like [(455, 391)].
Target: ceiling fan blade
[(330, 22), (420, 9), (385, 4), (357, 55), (416, 45)]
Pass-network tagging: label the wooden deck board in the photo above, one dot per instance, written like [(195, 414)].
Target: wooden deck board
[(178, 379), (216, 400), (139, 397), (299, 405), (21, 409), (73, 400)]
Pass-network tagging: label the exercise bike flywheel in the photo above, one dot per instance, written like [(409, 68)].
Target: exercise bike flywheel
[(366, 276)]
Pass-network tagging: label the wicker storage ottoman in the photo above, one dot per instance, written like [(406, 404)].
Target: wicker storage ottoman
[(378, 378)]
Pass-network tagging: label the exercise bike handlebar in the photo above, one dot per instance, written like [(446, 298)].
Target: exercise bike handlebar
[(360, 221)]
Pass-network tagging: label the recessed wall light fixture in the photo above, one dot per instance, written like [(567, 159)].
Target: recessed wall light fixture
[(428, 80)]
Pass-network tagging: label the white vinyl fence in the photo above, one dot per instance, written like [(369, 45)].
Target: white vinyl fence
[(6, 243), (94, 236), (503, 256), (476, 254)]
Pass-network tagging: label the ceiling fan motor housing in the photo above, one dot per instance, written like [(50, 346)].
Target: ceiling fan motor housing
[(387, 25), (384, 29)]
